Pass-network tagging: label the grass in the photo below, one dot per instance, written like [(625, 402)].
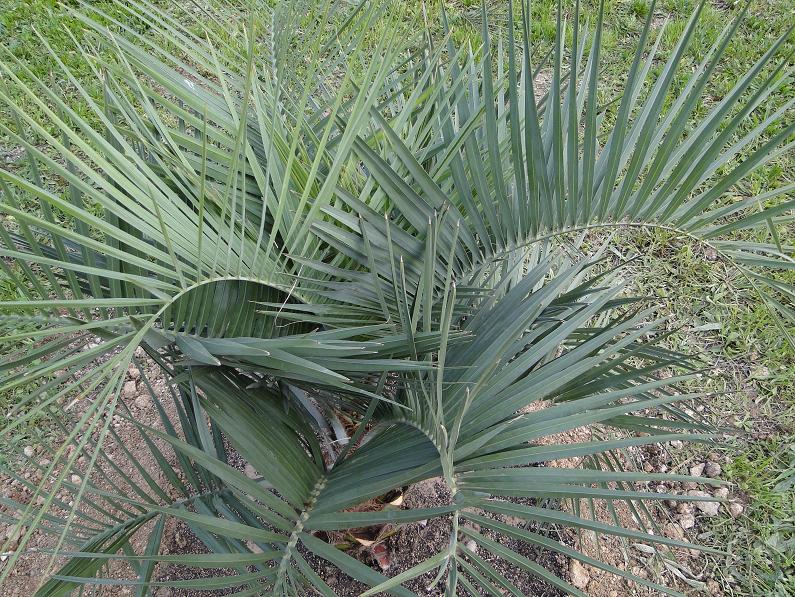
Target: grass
[(752, 370), (724, 320)]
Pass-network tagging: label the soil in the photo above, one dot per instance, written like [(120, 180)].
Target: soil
[(32, 566), (413, 543), (406, 546), (182, 540)]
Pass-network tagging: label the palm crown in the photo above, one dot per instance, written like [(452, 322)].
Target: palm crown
[(321, 243)]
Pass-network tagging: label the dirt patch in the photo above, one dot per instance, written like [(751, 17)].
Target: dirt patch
[(411, 544), (181, 540), (29, 570)]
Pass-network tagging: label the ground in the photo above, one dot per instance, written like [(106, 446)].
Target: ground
[(751, 365)]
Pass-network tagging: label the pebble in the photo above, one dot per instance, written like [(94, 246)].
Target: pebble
[(697, 470), (129, 389), (684, 508), (708, 508), (735, 509), (687, 521), (722, 493), (29, 451), (674, 531), (712, 470), (677, 444), (142, 402), (714, 588), (76, 479), (471, 546), (579, 575)]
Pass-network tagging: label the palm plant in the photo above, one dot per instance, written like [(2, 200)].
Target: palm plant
[(357, 270)]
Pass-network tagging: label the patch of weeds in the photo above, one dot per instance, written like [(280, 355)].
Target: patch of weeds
[(761, 541)]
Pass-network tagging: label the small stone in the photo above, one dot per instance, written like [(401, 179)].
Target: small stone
[(29, 451), (613, 594), (471, 546), (133, 372), (648, 467), (129, 389), (677, 444), (722, 493), (708, 508), (713, 588), (698, 470), (579, 575), (712, 470), (735, 509), (674, 531), (687, 521), (684, 508), (141, 402), (760, 372), (76, 479)]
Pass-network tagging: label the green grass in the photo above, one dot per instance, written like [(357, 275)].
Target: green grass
[(752, 370), (724, 319), (762, 539)]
